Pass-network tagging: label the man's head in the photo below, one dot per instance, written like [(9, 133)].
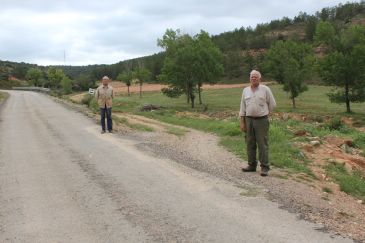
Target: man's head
[(255, 78), (105, 80)]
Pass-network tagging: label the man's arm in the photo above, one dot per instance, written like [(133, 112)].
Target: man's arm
[(242, 113), (243, 124), (270, 100), (96, 94)]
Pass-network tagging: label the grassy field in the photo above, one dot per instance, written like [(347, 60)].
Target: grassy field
[(219, 115), (314, 101)]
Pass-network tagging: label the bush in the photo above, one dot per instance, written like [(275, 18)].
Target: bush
[(335, 124), (87, 99), (91, 102)]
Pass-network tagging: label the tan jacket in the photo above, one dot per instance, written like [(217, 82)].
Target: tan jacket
[(104, 96)]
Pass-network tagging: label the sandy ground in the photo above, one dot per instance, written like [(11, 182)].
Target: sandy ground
[(63, 181)]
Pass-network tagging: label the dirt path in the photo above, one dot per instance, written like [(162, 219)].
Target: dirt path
[(62, 181)]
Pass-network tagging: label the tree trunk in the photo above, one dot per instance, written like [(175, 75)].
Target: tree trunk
[(347, 100), (293, 101), (140, 90), (187, 94), (200, 95), (192, 99), (129, 94)]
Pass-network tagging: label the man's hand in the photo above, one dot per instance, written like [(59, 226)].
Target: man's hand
[(243, 125)]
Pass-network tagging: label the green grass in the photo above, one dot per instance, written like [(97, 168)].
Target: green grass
[(3, 96), (351, 183)]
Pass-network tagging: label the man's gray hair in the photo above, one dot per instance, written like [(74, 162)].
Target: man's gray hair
[(255, 72), (106, 77)]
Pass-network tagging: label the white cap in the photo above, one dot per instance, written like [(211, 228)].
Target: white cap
[(106, 77)]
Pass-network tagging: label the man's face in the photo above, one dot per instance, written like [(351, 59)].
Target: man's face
[(105, 81), (255, 80)]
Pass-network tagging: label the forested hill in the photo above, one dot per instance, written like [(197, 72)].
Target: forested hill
[(243, 48)]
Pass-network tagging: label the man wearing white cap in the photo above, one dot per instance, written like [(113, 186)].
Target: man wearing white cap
[(104, 95)]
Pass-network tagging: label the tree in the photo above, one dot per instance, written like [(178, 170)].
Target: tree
[(190, 62), (20, 71), (55, 77), (66, 85), (290, 63), (84, 82), (209, 66), (35, 76), (343, 64), (126, 77), (141, 75)]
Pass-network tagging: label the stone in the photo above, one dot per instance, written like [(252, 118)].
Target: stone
[(315, 143), (300, 133)]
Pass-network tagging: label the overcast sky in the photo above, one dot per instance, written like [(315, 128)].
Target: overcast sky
[(96, 32)]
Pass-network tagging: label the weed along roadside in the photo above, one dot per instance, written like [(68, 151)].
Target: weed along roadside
[(3, 96), (322, 151)]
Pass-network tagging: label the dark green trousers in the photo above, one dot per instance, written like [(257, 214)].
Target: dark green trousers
[(257, 136)]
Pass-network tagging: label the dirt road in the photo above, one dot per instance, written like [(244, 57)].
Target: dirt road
[(63, 181)]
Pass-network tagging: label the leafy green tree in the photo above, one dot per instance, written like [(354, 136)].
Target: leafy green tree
[(66, 85), (20, 71), (141, 75), (325, 34), (55, 76), (35, 77), (84, 82), (290, 63), (209, 63), (343, 64), (126, 77), (190, 62)]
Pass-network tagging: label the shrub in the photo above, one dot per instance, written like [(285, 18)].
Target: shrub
[(335, 124), (87, 99)]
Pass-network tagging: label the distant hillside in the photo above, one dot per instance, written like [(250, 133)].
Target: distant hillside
[(243, 48)]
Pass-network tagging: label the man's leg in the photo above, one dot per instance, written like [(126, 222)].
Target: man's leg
[(262, 138), (102, 118), (109, 119), (251, 142)]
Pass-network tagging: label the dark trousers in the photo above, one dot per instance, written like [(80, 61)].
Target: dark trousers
[(257, 135), (106, 112)]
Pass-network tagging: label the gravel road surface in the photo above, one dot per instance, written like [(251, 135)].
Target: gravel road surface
[(63, 181)]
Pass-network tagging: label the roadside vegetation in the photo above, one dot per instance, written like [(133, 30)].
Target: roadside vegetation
[(3, 95), (322, 119)]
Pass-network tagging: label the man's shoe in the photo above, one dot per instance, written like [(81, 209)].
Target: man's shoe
[(264, 172), (102, 131), (110, 131), (249, 168)]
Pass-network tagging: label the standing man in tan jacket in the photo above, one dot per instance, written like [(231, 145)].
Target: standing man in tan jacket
[(104, 95), (257, 103)]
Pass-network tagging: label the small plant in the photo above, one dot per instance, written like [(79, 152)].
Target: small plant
[(87, 99), (327, 190), (335, 124), (351, 183)]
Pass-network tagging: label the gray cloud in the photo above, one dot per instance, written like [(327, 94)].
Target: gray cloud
[(90, 31)]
